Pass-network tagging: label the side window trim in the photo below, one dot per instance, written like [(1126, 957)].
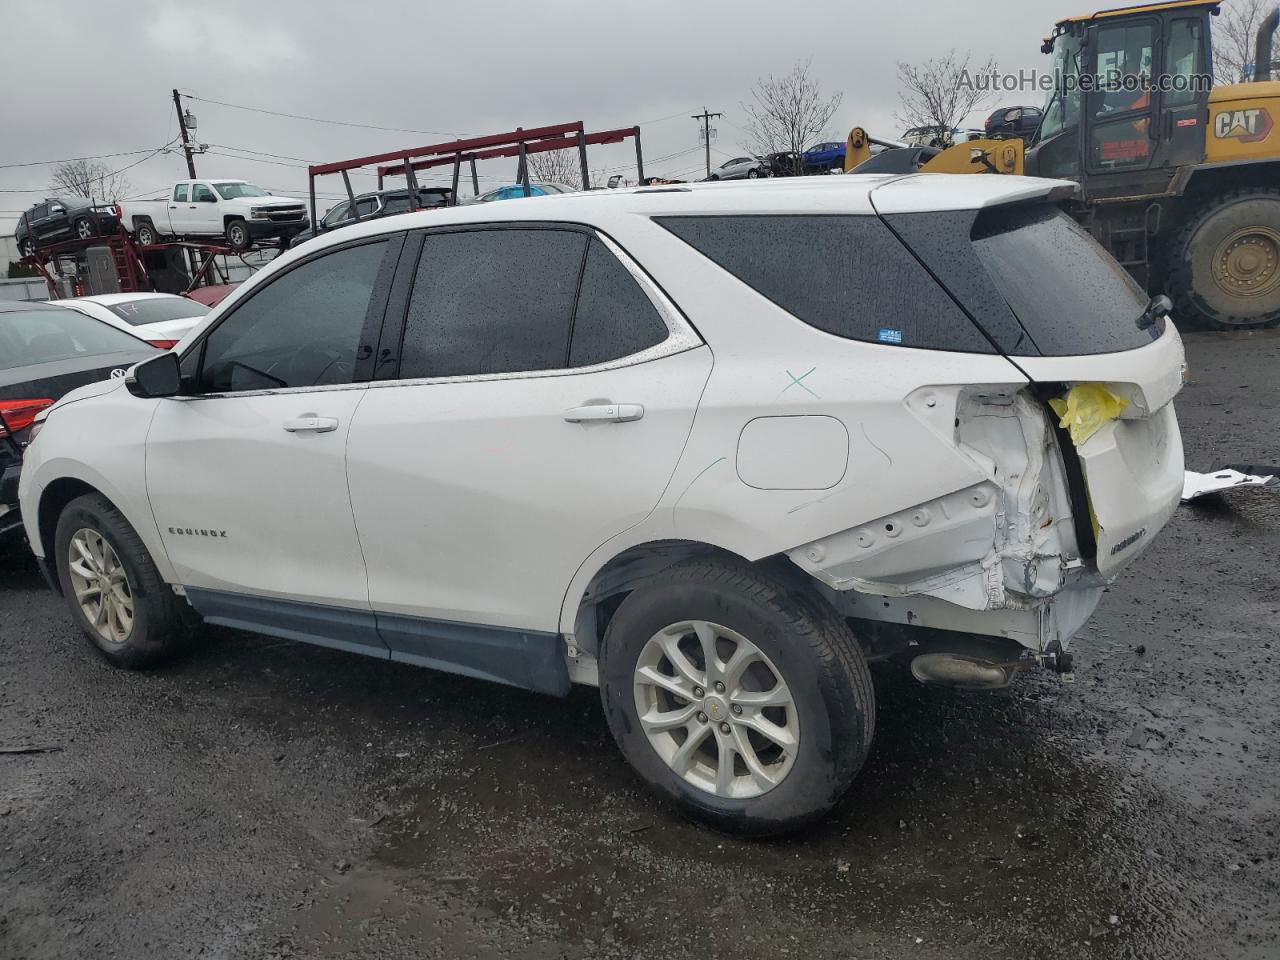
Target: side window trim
[(374, 319), (681, 334)]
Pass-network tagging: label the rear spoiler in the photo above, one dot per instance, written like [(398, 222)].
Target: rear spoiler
[(938, 192)]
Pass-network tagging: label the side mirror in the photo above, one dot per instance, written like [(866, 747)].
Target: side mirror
[(158, 377), (57, 209)]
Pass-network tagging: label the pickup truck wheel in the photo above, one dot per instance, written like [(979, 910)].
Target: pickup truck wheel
[(739, 694), (116, 595), (85, 228), (237, 234), (145, 233)]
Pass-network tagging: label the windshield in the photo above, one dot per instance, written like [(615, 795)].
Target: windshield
[(28, 337), (233, 191), (1062, 107), (157, 310)]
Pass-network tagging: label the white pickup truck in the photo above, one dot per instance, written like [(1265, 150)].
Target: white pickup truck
[(233, 209)]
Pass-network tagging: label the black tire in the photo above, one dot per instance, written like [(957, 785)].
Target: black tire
[(161, 620), (238, 234), (813, 651), (27, 248), (1199, 242), (85, 228), (145, 233), (753, 174), (713, 176)]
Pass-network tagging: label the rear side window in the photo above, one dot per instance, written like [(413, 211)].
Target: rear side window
[(522, 300), (615, 318), (1033, 266), (846, 275), (492, 301)]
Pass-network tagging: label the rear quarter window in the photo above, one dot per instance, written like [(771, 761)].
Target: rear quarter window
[(846, 275)]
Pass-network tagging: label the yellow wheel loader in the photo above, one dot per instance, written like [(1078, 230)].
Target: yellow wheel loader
[(1178, 178)]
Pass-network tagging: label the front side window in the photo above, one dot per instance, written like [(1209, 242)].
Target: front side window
[(302, 329), (180, 193), (1185, 63), (200, 193), (339, 213), (846, 275), (518, 300)]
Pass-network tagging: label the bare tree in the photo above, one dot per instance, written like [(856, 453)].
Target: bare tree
[(556, 166), (789, 112), (941, 92), (1233, 38), (89, 178)]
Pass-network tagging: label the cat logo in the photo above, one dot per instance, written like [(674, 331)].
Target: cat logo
[(1247, 126)]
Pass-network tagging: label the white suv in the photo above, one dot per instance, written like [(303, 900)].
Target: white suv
[(710, 448)]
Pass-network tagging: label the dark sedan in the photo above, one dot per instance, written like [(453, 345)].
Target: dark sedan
[(63, 218), (46, 352)]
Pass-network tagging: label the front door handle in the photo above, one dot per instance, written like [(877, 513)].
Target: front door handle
[(612, 412), (311, 425)]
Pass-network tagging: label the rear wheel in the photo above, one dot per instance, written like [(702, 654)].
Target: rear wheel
[(116, 595), (738, 694), (27, 247), (85, 228), (145, 233), (1224, 263), (237, 234), (753, 174)]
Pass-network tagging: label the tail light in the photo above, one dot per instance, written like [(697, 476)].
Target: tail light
[(118, 212), (163, 344), (17, 415)]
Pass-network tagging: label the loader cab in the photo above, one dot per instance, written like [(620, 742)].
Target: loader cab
[(1130, 99)]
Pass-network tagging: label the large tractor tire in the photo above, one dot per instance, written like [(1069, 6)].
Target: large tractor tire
[(1224, 261)]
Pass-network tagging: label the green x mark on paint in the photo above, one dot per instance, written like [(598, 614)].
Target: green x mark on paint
[(795, 382)]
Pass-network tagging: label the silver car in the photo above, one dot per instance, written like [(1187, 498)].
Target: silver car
[(740, 168)]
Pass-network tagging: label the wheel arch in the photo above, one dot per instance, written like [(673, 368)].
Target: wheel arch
[(594, 597)]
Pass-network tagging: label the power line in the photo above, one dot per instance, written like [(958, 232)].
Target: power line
[(97, 156), (340, 123)]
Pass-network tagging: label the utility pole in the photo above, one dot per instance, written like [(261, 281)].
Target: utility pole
[(186, 139), (707, 135)]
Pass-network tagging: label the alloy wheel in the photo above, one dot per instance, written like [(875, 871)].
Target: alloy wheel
[(84, 229), (101, 586), (716, 709)]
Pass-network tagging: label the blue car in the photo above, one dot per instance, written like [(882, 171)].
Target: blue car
[(824, 156), (516, 190)]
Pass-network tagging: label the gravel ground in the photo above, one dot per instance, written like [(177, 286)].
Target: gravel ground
[(261, 799)]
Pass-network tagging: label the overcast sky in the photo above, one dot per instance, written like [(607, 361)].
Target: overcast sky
[(94, 77)]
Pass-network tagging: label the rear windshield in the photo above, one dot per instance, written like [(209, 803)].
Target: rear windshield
[(139, 312), (848, 275), (29, 337), (1032, 278)]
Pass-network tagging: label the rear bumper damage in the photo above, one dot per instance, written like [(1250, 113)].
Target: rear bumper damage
[(1021, 557)]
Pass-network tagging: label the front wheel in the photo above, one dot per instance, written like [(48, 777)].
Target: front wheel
[(237, 234), (116, 595), (738, 694), (85, 228), (1224, 263), (27, 248)]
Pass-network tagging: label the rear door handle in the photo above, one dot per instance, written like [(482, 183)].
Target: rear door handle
[(613, 412), (311, 425)]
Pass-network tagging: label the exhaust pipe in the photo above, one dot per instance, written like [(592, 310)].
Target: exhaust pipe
[(965, 673), (1262, 48)]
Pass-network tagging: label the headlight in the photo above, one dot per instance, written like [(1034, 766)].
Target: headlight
[(257, 213)]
